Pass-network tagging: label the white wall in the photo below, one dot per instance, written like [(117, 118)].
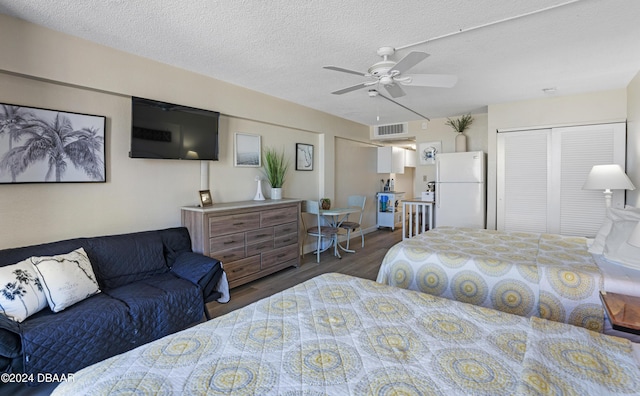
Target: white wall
[(633, 139), (591, 108), (43, 68)]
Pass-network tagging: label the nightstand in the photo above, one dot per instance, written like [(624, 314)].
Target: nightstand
[(623, 311)]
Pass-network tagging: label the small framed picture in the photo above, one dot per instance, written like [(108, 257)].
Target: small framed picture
[(248, 150), (428, 151), (304, 157), (205, 198)]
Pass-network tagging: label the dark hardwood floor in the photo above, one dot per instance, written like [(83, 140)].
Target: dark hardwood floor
[(364, 263)]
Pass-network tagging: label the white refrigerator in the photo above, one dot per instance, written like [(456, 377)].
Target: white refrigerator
[(460, 189)]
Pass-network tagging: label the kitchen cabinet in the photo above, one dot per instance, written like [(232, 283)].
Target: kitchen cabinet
[(410, 158), (391, 159)]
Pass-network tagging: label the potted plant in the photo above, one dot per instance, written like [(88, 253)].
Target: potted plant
[(275, 166), (460, 125), (325, 203)]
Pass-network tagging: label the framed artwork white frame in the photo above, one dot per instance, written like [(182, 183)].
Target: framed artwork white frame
[(428, 151), (247, 150)]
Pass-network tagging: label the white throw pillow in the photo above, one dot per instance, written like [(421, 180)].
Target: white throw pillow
[(21, 293), (66, 278), (628, 213), (618, 249)]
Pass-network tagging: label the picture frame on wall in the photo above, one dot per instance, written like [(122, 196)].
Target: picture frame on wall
[(428, 151), (304, 157), (248, 150), (40, 145), (205, 198)]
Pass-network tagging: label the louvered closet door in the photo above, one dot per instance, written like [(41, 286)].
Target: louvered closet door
[(522, 166), (581, 212), (541, 174)]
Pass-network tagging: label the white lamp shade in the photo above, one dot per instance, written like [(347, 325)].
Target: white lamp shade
[(608, 177), (634, 238)]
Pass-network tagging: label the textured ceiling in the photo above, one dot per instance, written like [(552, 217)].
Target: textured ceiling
[(280, 46)]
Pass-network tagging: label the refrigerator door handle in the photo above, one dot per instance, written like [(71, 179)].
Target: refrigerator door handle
[(437, 197)]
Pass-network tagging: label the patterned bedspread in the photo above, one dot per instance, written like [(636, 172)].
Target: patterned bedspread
[(340, 335), (541, 275)]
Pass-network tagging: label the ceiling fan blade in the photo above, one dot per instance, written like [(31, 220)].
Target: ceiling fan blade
[(352, 88), (395, 90), (403, 106), (432, 80), (409, 61), (342, 69)]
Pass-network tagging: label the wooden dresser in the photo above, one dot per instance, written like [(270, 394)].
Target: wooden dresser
[(251, 238)]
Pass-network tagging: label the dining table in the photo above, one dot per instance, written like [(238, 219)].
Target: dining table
[(335, 217)]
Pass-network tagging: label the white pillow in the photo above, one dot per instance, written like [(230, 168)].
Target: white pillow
[(21, 293), (613, 214), (616, 247), (66, 278)]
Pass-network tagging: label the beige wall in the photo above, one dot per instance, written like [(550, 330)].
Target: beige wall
[(633, 139), (43, 68), (583, 109)]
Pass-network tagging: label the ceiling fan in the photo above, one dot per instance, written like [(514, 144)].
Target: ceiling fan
[(390, 74)]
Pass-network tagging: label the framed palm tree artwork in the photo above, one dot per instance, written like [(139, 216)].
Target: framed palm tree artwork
[(50, 146)]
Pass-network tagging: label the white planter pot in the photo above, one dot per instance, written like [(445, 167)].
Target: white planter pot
[(276, 193), (461, 142)]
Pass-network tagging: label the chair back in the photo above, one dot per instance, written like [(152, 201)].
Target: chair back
[(312, 207), (357, 201)]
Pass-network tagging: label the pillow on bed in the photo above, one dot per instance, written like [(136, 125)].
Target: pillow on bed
[(616, 247), (629, 213)]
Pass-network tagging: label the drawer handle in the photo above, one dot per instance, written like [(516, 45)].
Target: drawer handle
[(228, 242), (281, 255), (238, 224), (262, 235)]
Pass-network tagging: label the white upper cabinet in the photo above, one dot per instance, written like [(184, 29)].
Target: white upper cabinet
[(391, 160), (410, 158)]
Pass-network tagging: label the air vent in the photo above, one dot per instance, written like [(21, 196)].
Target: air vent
[(391, 131)]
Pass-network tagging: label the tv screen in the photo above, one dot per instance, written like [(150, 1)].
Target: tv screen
[(170, 131)]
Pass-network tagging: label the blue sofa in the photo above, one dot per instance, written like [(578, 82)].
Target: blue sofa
[(151, 285)]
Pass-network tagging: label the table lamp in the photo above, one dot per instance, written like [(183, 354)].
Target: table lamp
[(607, 178)]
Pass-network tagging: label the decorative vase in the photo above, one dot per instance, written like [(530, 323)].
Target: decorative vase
[(276, 193), (461, 142), (259, 196)]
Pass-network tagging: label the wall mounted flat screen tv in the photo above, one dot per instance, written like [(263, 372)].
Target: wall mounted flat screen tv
[(169, 131)]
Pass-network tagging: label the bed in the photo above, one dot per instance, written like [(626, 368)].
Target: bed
[(337, 335), (543, 275)]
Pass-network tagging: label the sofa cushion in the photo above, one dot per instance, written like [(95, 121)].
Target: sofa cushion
[(122, 259), (160, 305), (9, 344), (64, 342), (21, 293), (66, 278)]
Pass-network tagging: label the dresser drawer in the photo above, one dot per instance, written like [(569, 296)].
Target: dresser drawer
[(228, 256), (287, 228), (226, 242), (260, 247), (278, 216), (278, 256), (242, 268), (222, 225), (285, 240), (259, 235)]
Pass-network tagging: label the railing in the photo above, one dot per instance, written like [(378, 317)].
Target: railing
[(419, 220)]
